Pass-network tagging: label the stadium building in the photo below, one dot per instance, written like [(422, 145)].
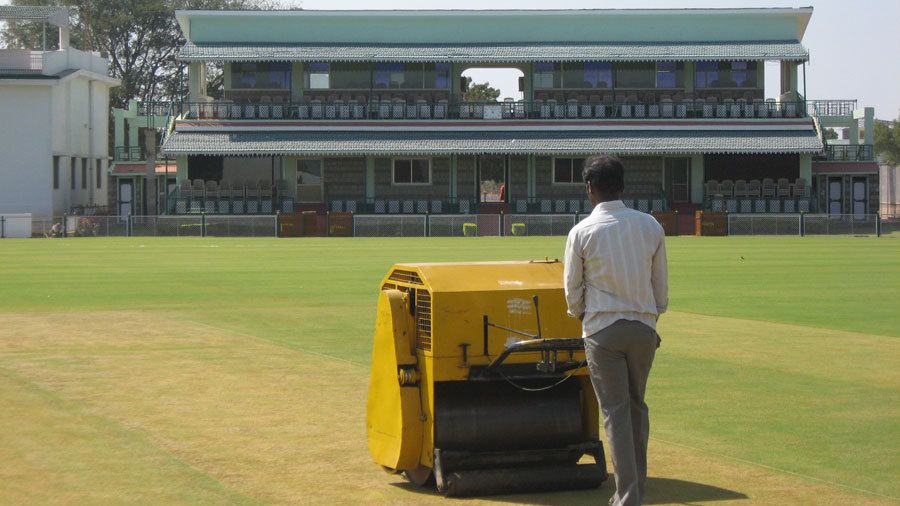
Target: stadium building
[(365, 112)]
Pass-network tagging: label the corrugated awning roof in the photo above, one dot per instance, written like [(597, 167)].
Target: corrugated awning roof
[(58, 16), (493, 52), (388, 143)]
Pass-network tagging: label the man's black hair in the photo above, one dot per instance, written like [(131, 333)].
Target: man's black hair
[(605, 174)]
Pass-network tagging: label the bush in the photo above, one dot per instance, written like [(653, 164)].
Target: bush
[(470, 229), (518, 229)]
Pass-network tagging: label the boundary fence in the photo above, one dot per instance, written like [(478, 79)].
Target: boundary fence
[(414, 225)]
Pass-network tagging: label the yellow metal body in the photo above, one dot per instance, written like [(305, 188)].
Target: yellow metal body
[(429, 329)]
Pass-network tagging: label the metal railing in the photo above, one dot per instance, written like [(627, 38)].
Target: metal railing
[(21, 61), (443, 110), (804, 224), (128, 153), (156, 108), (830, 107), (849, 152)]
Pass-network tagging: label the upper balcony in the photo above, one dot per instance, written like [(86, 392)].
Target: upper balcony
[(591, 107), (21, 61)]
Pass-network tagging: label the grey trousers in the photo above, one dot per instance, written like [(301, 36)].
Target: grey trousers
[(619, 358)]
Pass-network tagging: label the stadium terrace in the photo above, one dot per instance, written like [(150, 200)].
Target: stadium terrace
[(364, 112)]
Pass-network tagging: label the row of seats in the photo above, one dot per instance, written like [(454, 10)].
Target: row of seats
[(767, 188), (239, 189), (436, 206), (760, 205)]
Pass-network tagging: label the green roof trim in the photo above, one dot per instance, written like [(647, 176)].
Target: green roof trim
[(391, 143), (500, 52)]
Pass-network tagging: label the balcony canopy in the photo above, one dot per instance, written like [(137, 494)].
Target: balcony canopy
[(58, 16), (390, 143), (500, 53)]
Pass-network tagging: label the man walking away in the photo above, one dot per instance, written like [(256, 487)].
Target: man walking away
[(616, 283)]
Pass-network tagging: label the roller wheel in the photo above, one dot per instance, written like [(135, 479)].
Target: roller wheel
[(421, 476), (390, 470)]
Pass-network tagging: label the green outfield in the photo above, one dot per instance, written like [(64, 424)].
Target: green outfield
[(215, 371)]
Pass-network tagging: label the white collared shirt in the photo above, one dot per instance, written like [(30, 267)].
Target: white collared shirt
[(615, 268)]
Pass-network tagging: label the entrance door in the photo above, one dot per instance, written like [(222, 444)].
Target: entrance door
[(492, 179), (678, 180), (835, 195), (859, 198), (126, 196), (309, 181)]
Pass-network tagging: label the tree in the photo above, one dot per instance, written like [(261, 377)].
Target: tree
[(479, 92), (830, 134), (141, 40), (887, 141)]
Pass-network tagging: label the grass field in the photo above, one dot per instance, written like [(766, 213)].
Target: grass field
[(234, 371)]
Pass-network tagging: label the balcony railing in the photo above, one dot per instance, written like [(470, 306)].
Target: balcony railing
[(154, 108), (849, 153), (129, 153), (830, 107), (444, 110), (21, 61)]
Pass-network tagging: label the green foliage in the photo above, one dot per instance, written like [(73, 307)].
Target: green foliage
[(887, 141), (518, 229), (830, 134), (481, 92), (470, 229), (141, 40)]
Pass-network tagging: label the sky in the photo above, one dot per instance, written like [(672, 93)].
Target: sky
[(853, 45)]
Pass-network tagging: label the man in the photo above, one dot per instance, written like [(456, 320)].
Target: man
[(616, 283)]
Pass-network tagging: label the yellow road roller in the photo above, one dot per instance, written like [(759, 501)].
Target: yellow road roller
[(479, 383)]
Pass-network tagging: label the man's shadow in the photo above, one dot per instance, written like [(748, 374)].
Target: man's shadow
[(659, 491)]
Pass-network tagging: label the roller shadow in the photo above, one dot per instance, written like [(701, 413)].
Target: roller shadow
[(659, 491)]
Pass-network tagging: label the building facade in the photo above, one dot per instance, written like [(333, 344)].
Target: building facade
[(55, 152), (364, 111)]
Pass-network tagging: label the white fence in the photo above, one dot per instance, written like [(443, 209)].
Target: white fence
[(384, 225)]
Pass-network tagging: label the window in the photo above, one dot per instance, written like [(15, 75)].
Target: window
[(309, 180), (726, 74), (635, 75), (56, 173), (412, 171), (412, 75), (72, 161), (568, 170), (261, 75), (84, 176), (545, 75), (99, 173), (587, 75), (669, 74), (318, 76), (349, 76)]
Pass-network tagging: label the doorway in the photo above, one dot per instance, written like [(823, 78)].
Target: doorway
[(678, 180), (309, 181), (859, 198), (835, 195), (492, 182), (126, 196)]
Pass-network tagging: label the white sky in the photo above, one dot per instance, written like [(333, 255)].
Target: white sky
[(854, 46)]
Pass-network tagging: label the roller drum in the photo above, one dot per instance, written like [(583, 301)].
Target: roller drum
[(497, 416)]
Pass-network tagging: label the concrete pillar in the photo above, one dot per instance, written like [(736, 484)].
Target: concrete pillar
[(181, 168), (806, 167), (698, 179), (789, 77), (689, 76), (297, 82), (63, 38), (196, 81), (370, 178), (867, 115), (118, 127), (532, 192), (453, 177)]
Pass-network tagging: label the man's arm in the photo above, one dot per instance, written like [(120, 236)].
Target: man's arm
[(573, 277), (659, 276)]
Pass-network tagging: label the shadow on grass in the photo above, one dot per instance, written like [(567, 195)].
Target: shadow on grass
[(659, 491)]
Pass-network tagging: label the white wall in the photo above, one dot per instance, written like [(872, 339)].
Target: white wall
[(26, 170)]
